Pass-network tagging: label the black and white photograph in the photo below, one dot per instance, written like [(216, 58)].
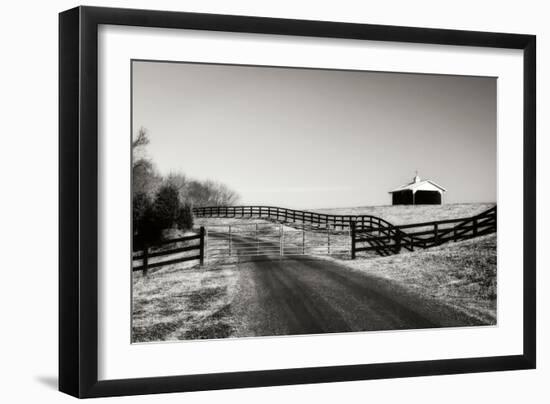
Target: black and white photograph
[(273, 201)]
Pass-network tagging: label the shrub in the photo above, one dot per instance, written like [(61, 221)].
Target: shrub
[(185, 218), (145, 227), (166, 206), (140, 203), (151, 231)]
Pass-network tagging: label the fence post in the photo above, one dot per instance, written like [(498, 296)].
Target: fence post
[(282, 240), (352, 227), (206, 243), (436, 233), (397, 241), (202, 232), (230, 240), (303, 240), (328, 240), (474, 230), (145, 258), (257, 241)]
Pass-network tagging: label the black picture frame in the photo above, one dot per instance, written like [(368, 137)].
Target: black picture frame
[(78, 201)]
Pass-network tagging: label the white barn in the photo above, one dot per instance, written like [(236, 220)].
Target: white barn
[(418, 192)]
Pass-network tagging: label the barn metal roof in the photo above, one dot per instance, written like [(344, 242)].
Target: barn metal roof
[(420, 185)]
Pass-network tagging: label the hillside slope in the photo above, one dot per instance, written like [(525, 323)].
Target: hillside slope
[(463, 274), (407, 214)]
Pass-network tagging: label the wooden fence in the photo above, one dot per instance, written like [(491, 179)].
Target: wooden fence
[(283, 215), (153, 251), (389, 239), (368, 233)]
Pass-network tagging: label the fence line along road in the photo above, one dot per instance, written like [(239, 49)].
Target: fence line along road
[(158, 250), (365, 233), (368, 233), (284, 215), (389, 240)]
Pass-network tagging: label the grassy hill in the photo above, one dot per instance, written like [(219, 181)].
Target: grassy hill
[(406, 214), (463, 274), (183, 301)]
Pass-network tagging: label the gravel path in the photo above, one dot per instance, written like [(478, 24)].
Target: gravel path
[(303, 295)]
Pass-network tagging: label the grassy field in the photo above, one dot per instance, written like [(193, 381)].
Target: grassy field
[(461, 274), (407, 214), (184, 301)]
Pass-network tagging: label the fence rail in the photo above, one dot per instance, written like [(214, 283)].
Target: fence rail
[(391, 239), (368, 233), (284, 215), (148, 252)]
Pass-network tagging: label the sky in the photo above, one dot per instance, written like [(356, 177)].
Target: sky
[(312, 138)]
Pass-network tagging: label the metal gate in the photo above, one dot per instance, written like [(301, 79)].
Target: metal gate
[(274, 239)]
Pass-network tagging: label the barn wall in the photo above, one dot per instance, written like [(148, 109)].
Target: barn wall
[(402, 198), (420, 198), (427, 198)]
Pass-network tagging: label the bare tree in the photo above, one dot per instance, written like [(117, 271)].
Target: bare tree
[(197, 194), (145, 178), (221, 194), (141, 139), (180, 182), (210, 193)]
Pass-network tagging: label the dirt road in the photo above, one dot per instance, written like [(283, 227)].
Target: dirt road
[(305, 295)]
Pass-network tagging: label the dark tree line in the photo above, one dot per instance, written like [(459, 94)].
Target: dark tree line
[(152, 216), (202, 193), (161, 203)]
